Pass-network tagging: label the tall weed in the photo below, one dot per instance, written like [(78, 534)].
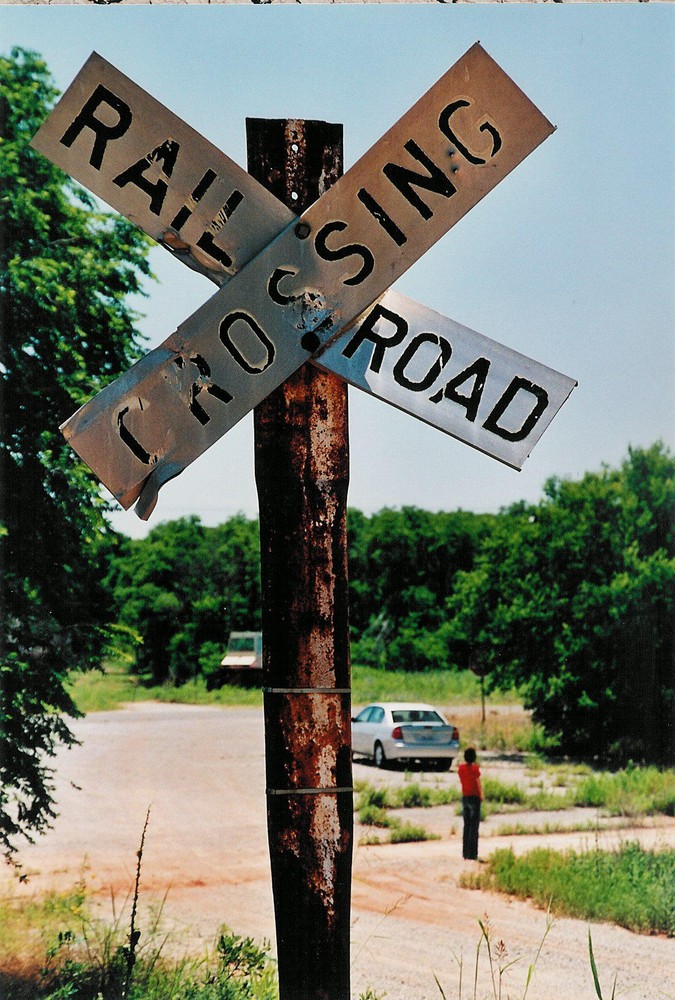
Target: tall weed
[(499, 964)]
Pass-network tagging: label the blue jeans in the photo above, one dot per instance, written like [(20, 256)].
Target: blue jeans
[(471, 814)]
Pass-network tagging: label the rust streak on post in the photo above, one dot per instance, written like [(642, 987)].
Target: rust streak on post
[(302, 473)]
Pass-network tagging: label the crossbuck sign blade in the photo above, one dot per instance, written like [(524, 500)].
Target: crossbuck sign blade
[(310, 278)]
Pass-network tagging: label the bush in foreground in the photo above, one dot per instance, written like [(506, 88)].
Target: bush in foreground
[(53, 948)]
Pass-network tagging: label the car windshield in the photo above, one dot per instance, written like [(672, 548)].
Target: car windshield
[(415, 715), (241, 644)]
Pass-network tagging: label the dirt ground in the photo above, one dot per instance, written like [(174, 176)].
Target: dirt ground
[(201, 772)]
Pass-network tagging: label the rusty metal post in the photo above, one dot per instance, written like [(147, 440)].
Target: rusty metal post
[(302, 472)]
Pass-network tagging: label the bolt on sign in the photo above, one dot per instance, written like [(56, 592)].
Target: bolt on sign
[(293, 288)]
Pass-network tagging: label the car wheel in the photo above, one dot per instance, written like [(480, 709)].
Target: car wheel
[(379, 756), (444, 764)]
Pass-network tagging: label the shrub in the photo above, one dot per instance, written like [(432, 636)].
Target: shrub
[(631, 887), (370, 815), (496, 791), (412, 796), (633, 792), (403, 833)]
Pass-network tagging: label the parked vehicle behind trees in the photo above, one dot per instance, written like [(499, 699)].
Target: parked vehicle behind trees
[(242, 663)]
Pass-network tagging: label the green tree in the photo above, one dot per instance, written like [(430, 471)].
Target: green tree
[(573, 600), (402, 566), (183, 588), (65, 273)]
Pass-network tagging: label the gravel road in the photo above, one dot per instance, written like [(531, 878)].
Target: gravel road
[(201, 772)]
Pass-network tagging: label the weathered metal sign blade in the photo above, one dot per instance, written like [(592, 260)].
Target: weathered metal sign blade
[(145, 162), (440, 159), (460, 139), (455, 379)]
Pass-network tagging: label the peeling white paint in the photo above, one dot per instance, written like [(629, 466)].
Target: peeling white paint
[(325, 830)]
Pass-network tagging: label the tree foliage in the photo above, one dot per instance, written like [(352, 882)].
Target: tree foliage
[(402, 566), (183, 588), (570, 599), (66, 271), (573, 599)]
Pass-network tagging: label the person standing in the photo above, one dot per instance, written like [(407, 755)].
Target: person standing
[(472, 796)]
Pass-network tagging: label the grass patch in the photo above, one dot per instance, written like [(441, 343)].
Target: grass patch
[(112, 686), (502, 797), (369, 795), (54, 948), (512, 730), (373, 805), (102, 690), (414, 796), (370, 815), (631, 887), (496, 791), (537, 764), (369, 839), (546, 801), (405, 833), (633, 793), (523, 829), (28, 925), (637, 791), (108, 689), (194, 693), (439, 687), (408, 796)]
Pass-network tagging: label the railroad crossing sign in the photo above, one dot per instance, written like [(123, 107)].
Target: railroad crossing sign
[(298, 288)]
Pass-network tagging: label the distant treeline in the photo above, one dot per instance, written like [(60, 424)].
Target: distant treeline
[(184, 587), (570, 599)]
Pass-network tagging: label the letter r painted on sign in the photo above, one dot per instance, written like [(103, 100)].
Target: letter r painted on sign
[(103, 131)]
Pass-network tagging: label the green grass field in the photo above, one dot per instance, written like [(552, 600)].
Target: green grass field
[(108, 689)]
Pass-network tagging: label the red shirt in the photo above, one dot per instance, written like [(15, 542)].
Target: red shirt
[(469, 776)]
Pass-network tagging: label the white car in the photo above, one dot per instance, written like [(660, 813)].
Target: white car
[(399, 731)]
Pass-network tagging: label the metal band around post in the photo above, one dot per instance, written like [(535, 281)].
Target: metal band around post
[(310, 691), (307, 690), (308, 791)]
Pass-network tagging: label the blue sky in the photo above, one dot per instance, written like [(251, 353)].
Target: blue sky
[(569, 260)]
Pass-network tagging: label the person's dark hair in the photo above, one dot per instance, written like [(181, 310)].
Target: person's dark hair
[(470, 755)]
